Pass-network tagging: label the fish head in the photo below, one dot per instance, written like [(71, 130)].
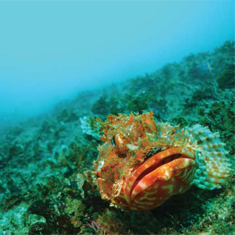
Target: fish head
[(141, 163)]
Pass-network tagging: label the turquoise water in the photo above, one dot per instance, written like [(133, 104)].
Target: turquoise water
[(57, 72)]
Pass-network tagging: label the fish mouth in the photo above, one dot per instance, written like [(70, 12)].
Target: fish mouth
[(162, 166)]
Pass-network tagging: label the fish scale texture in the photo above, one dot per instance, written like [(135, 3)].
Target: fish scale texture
[(214, 165)]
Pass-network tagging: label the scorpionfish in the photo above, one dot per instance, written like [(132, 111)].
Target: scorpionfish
[(143, 162)]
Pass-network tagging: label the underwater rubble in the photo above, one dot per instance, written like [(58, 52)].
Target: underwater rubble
[(44, 185)]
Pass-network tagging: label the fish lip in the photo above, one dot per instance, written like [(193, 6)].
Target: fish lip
[(156, 162)]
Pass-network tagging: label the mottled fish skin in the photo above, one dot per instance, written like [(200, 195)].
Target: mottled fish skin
[(142, 162)]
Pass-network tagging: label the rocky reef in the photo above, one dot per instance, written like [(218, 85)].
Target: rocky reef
[(44, 184)]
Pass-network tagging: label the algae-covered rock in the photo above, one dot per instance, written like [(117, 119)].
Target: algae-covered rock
[(45, 187)]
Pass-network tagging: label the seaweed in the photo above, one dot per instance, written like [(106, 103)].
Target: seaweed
[(45, 187), (227, 79)]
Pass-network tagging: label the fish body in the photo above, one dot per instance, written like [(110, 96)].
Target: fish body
[(209, 68), (143, 162)]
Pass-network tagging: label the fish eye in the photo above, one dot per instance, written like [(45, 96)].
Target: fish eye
[(113, 141)]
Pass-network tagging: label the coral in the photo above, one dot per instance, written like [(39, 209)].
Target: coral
[(44, 160)]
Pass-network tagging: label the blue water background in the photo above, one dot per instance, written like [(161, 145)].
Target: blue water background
[(49, 51)]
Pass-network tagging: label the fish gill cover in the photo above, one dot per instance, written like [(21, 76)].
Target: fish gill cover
[(47, 173)]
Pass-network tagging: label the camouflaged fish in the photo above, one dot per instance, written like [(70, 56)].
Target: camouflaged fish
[(142, 162)]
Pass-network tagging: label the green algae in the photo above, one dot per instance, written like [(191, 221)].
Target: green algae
[(44, 163)]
